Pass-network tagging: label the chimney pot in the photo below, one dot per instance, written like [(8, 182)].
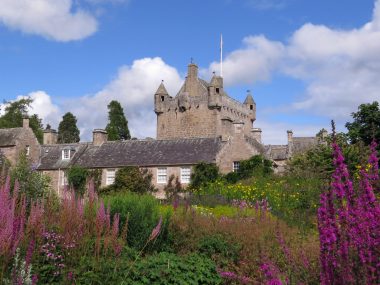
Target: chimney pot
[(99, 136)]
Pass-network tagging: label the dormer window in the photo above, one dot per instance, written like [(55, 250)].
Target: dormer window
[(65, 154), (217, 90)]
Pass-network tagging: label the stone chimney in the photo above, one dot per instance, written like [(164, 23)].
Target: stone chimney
[(99, 137), (290, 136), (25, 122), (50, 136), (256, 133), (192, 71)]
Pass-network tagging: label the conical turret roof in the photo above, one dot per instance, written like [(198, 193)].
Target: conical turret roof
[(162, 90), (249, 99)]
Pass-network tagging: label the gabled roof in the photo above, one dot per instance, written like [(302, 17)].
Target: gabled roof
[(134, 153), (302, 144), (277, 152), (8, 137)]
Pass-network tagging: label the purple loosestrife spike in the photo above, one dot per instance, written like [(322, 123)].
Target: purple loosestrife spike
[(29, 254), (156, 230)]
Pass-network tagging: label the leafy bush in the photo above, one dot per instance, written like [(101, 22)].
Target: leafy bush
[(141, 213), (33, 184), (167, 268), (172, 191), (77, 178), (202, 174), (132, 179), (219, 249)]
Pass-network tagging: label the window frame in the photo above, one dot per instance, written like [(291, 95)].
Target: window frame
[(161, 175), (64, 152), (27, 150), (183, 175), (108, 178), (235, 166), (64, 180)]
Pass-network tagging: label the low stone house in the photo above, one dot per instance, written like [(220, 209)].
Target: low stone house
[(14, 141)]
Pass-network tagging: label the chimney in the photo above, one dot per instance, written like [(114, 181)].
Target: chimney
[(99, 137), (256, 132), (290, 136), (50, 136), (25, 122)]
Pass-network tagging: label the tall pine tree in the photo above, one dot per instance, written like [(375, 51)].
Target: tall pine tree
[(68, 131), (117, 127)]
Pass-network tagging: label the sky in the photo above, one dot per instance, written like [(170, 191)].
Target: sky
[(306, 62)]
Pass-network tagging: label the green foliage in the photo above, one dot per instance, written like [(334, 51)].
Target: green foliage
[(77, 178), (68, 131), (256, 165), (33, 184), (172, 191), (166, 268), (14, 113), (366, 124), (117, 127), (217, 248), (202, 174), (132, 179), (141, 213), (96, 176)]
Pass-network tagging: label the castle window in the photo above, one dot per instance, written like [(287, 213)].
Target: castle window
[(27, 150), (162, 98), (236, 166), (217, 90), (251, 107), (185, 174), (110, 176), (162, 175), (65, 154)]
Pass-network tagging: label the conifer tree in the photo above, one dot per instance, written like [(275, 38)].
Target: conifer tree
[(117, 127), (68, 131)]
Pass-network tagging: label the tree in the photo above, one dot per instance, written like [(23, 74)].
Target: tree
[(171, 190), (15, 111), (132, 179), (117, 127), (366, 124), (68, 131), (203, 173), (77, 178)]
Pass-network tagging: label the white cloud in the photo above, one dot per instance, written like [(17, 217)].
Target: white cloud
[(254, 62), (134, 88), (340, 68), (51, 19)]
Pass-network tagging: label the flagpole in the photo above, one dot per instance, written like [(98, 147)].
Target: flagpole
[(221, 55)]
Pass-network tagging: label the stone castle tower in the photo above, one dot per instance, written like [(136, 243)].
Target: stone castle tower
[(202, 109)]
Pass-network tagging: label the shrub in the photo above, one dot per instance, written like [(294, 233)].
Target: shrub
[(202, 174), (172, 191), (132, 179), (141, 214), (167, 268), (77, 178)]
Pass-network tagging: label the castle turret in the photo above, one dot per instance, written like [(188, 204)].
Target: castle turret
[(215, 92), (251, 106), (161, 97)]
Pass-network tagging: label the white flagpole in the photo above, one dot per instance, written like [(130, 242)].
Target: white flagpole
[(221, 55)]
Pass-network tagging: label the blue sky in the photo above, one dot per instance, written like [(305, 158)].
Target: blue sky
[(306, 62)]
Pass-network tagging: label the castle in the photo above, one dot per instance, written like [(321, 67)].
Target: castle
[(200, 124)]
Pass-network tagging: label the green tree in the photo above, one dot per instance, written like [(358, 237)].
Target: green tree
[(173, 188), (132, 179), (366, 124), (77, 178), (203, 173), (117, 127), (68, 131), (15, 111)]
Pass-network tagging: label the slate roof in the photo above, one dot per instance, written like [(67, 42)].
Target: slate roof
[(8, 137), (277, 152), (302, 144), (134, 152)]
